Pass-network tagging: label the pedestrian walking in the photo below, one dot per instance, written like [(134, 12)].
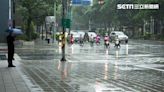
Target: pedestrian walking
[(10, 44), (71, 39)]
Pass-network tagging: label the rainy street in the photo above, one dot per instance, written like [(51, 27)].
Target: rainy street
[(136, 67), (82, 46)]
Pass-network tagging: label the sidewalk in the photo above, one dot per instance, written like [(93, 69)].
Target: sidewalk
[(10, 78)]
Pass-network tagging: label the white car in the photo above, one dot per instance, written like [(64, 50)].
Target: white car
[(92, 34), (121, 36), (81, 33), (75, 35)]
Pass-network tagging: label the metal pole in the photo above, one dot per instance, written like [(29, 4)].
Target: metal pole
[(46, 30), (13, 13), (70, 14), (63, 36), (54, 22), (9, 25), (144, 29), (42, 31)]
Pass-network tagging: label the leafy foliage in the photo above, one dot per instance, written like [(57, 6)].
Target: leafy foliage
[(35, 11), (107, 15)]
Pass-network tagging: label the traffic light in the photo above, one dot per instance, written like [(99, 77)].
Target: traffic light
[(100, 1)]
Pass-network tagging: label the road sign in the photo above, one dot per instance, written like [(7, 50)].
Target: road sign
[(86, 2), (76, 2), (66, 23), (81, 2)]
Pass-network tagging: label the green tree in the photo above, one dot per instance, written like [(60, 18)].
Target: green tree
[(35, 11)]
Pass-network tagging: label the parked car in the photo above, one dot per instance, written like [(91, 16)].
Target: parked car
[(121, 36)]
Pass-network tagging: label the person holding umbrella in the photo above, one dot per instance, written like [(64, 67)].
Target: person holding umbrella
[(10, 44)]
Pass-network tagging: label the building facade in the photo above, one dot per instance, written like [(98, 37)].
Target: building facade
[(4, 17)]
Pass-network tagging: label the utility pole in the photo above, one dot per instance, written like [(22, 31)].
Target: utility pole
[(69, 14), (64, 4)]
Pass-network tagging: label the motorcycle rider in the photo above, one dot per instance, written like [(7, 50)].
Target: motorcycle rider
[(91, 39), (71, 39), (106, 41), (97, 39), (117, 42), (81, 40)]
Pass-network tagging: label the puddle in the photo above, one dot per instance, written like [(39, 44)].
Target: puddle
[(160, 68)]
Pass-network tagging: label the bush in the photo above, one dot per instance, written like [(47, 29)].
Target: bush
[(161, 37), (24, 37), (21, 37), (147, 36), (34, 36)]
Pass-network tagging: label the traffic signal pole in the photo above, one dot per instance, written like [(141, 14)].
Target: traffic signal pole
[(64, 3)]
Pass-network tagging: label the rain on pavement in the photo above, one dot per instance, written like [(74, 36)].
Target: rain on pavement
[(136, 67)]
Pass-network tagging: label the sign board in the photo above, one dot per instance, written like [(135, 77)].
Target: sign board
[(86, 2), (66, 23), (50, 19), (82, 2), (76, 2)]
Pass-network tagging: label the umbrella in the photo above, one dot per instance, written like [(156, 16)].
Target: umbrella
[(17, 31)]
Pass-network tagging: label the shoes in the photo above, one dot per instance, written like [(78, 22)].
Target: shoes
[(11, 66)]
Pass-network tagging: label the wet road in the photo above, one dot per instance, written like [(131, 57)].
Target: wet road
[(136, 67)]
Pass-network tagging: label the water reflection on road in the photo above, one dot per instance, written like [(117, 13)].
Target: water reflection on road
[(132, 68)]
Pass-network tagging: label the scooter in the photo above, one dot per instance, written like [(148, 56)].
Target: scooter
[(97, 42), (81, 43), (107, 44), (91, 43)]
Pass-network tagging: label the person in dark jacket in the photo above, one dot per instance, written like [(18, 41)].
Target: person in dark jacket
[(10, 44)]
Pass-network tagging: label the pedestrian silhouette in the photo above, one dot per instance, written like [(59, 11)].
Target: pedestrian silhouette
[(10, 44)]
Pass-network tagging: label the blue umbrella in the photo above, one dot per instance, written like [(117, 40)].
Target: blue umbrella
[(17, 31)]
